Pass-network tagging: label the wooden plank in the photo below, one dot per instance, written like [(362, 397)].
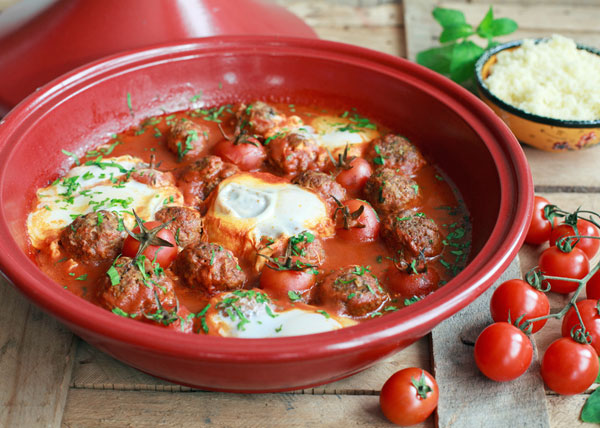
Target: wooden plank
[(345, 14), (36, 357), (422, 31), (151, 409), (467, 398), (377, 27), (96, 370), (389, 40), (565, 410), (579, 169)]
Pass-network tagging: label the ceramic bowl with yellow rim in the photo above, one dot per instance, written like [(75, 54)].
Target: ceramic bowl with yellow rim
[(538, 131)]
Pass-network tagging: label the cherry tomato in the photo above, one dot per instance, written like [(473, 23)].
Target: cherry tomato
[(247, 156), (412, 284), (574, 264), (278, 283), (592, 288), (569, 367), (354, 179), (540, 227), (503, 352), (409, 396), (368, 218), (584, 228), (588, 310), (516, 297), (184, 322), (163, 255)]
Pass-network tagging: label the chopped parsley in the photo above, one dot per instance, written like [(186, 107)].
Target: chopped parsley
[(413, 299), (196, 97), (72, 156), (294, 296), (129, 105), (122, 313), (379, 159)]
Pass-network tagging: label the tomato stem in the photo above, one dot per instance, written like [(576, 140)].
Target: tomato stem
[(572, 303), (566, 244)]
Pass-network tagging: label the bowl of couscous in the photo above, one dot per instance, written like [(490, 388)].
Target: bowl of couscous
[(546, 90)]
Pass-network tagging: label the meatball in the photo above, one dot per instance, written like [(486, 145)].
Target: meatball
[(136, 287), (389, 191), (324, 185), (411, 234), (153, 177), (201, 177), (353, 291), (257, 119), (210, 267), (302, 249), (93, 237), (296, 152), (186, 223), (396, 152), (187, 139)]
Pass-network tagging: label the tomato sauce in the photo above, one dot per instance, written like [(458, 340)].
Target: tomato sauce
[(440, 202)]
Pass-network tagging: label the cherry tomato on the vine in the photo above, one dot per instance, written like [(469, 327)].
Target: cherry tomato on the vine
[(162, 254), (540, 227), (516, 297), (569, 367), (592, 288), (354, 178), (368, 219), (247, 156), (280, 282), (589, 246), (574, 264), (503, 352), (409, 396), (588, 309)]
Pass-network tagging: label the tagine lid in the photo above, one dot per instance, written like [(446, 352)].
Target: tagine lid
[(61, 35)]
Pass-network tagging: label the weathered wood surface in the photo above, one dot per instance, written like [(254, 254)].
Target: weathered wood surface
[(37, 353), (469, 399), (36, 357), (90, 408)]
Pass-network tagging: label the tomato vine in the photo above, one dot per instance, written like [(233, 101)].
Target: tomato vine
[(570, 365)]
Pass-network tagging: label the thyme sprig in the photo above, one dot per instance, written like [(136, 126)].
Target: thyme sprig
[(289, 260), (343, 160), (350, 219)]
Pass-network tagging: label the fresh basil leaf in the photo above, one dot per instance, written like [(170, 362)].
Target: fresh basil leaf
[(456, 32), (484, 30), (437, 59), (503, 26), (598, 377), (591, 408), (464, 56), (448, 17)]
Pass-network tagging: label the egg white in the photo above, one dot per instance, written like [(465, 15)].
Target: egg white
[(251, 314), (248, 207), (334, 132), (103, 184)]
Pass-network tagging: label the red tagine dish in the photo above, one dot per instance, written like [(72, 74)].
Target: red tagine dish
[(214, 214)]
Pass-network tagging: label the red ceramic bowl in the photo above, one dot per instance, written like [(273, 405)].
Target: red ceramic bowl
[(455, 130)]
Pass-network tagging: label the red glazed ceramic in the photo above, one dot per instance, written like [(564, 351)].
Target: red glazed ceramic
[(70, 33), (455, 130)]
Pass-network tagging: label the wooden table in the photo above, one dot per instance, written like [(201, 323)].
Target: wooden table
[(51, 378)]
